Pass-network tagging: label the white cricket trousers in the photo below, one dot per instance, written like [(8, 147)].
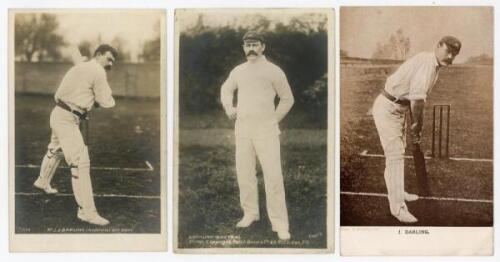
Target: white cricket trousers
[(390, 122), (66, 135), (267, 150)]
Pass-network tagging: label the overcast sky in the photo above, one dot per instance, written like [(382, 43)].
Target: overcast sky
[(362, 27), (134, 27)]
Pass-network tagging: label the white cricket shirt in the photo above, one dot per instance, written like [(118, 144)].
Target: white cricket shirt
[(415, 78), (84, 84), (258, 82)]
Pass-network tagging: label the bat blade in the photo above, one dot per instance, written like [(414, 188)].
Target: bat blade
[(420, 171), (84, 129)]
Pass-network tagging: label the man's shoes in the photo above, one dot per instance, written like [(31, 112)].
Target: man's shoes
[(410, 197), (46, 188), (284, 235), (405, 216), (246, 221), (92, 217)]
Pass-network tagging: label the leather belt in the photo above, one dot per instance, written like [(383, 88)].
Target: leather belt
[(403, 102), (66, 107)]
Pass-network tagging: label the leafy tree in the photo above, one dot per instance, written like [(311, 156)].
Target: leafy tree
[(36, 38), (119, 44), (397, 47), (151, 50)]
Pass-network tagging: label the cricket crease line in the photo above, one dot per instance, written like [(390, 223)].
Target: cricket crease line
[(365, 153), (149, 165), (149, 169), (95, 195), (422, 197)]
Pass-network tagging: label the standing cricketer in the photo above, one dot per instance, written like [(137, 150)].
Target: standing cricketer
[(84, 86), (258, 81), (407, 88)]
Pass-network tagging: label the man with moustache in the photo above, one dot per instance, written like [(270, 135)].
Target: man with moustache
[(258, 81), (407, 89), (82, 88)]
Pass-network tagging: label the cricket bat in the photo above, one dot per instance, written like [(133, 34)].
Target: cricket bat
[(76, 56), (420, 168), (420, 171)]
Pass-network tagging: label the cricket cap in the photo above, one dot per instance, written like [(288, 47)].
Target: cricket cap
[(252, 35), (452, 42)]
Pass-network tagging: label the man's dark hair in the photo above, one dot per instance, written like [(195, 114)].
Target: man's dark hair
[(102, 49)]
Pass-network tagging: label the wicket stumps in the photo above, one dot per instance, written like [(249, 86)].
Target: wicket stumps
[(439, 110)]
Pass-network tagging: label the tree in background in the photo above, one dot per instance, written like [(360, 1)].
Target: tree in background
[(482, 59), (119, 43), (36, 38), (397, 47), (151, 50)]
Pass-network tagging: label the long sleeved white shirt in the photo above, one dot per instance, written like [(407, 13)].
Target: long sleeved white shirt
[(84, 84), (415, 78), (258, 82)]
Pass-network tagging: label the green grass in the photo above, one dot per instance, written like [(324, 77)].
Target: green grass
[(209, 196), (469, 91)]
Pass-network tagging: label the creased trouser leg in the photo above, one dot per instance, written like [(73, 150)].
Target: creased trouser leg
[(390, 123), (268, 152), (394, 177), (246, 175), (81, 182), (66, 127)]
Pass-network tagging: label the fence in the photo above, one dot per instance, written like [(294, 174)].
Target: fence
[(130, 80)]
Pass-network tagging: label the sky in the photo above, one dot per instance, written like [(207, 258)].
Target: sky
[(134, 27), (361, 28)]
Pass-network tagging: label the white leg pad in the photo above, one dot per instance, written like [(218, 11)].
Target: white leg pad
[(49, 166)]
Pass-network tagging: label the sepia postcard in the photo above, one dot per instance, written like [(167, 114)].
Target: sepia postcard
[(253, 144), (87, 130), (416, 131)]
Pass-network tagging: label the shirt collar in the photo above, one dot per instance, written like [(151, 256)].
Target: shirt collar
[(436, 61)]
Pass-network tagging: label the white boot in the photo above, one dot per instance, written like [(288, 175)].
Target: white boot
[(410, 197), (284, 235), (405, 216), (45, 187), (246, 221), (92, 217)]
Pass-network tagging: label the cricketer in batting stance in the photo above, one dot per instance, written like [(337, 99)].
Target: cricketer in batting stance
[(258, 81), (408, 87), (83, 87)]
